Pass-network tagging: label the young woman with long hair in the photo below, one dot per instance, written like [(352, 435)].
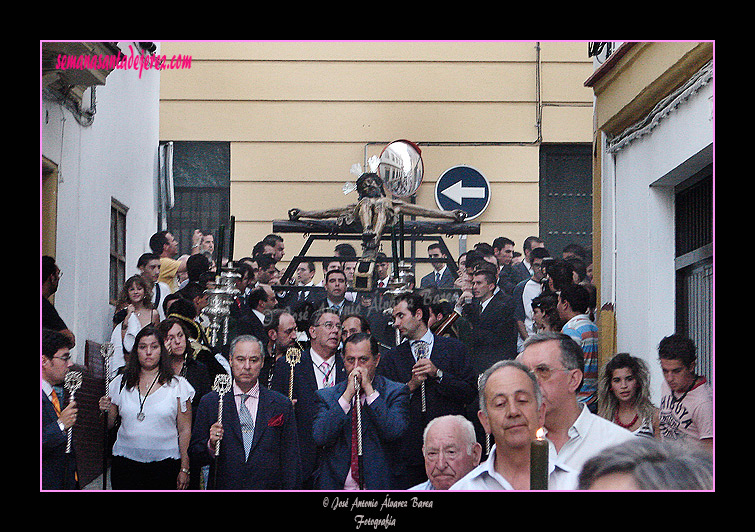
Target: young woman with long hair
[(624, 395)]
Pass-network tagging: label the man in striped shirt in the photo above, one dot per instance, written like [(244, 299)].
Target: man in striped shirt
[(573, 303)]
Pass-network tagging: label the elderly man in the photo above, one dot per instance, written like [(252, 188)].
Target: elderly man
[(573, 432), (451, 451), (259, 447), (511, 409)]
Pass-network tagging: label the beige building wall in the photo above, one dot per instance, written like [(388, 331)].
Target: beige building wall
[(298, 115)]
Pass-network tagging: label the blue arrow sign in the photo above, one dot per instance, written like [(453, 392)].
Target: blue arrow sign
[(465, 188)]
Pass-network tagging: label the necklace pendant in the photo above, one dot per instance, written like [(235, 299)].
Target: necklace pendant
[(140, 416)]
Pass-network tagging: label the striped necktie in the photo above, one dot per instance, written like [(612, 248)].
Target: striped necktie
[(325, 367), (247, 425)]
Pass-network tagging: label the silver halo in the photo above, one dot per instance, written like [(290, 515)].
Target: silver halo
[(401, 168)]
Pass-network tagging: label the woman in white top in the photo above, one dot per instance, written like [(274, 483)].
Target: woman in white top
[(134, 311), (154, 406), (624, 395)]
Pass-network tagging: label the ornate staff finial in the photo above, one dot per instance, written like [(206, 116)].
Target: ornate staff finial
[(222, 385), (72, 383)]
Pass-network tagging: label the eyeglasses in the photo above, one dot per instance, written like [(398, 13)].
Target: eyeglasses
[(329, 326), (64, 358), (543, 372)]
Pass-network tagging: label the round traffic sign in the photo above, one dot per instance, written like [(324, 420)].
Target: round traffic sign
[(465, 188)]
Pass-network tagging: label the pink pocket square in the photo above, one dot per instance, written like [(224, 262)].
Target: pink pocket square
[(276, 421)]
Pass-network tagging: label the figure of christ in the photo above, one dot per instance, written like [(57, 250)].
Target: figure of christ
[(374, 210)]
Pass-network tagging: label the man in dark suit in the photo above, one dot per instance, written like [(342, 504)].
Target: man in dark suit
[(320, 367), (437, 363), (503, 250), (259, 448), (335, 294), (523, 269), (261, 302), (384, 418), (441, 276), (58, 467), (281, 332), (491, 315)]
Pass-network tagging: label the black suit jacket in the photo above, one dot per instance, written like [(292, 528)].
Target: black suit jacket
[(304, 391), (520, 272), (446, 280), (494, 331), (450, 395), (348, 307), (273, 461), (243, 321), (58, 467)]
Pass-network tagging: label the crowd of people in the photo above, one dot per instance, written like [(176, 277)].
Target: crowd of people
[(323, 387)]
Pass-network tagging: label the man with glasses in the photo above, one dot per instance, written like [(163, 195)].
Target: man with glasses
[(58, 467), (319, 367), (573, 432)]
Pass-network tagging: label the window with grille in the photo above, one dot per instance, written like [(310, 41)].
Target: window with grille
[(694, 265), (117, 248), (202, 184)]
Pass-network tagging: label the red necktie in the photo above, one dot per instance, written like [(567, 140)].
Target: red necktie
[(354, 449)]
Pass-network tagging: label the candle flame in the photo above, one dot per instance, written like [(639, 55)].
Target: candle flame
[(540, 434)]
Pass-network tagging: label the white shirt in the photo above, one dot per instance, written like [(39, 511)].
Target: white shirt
[(532, 289), (423, 486), (317, 361), (259, 315), (428, 338), (164, 291), (588, 436), (156, 437), (305, 294), (484, 477), (337, 306), (484, 304)]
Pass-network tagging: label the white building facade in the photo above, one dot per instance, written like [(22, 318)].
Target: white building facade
[(99, 178), (653, 285)]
